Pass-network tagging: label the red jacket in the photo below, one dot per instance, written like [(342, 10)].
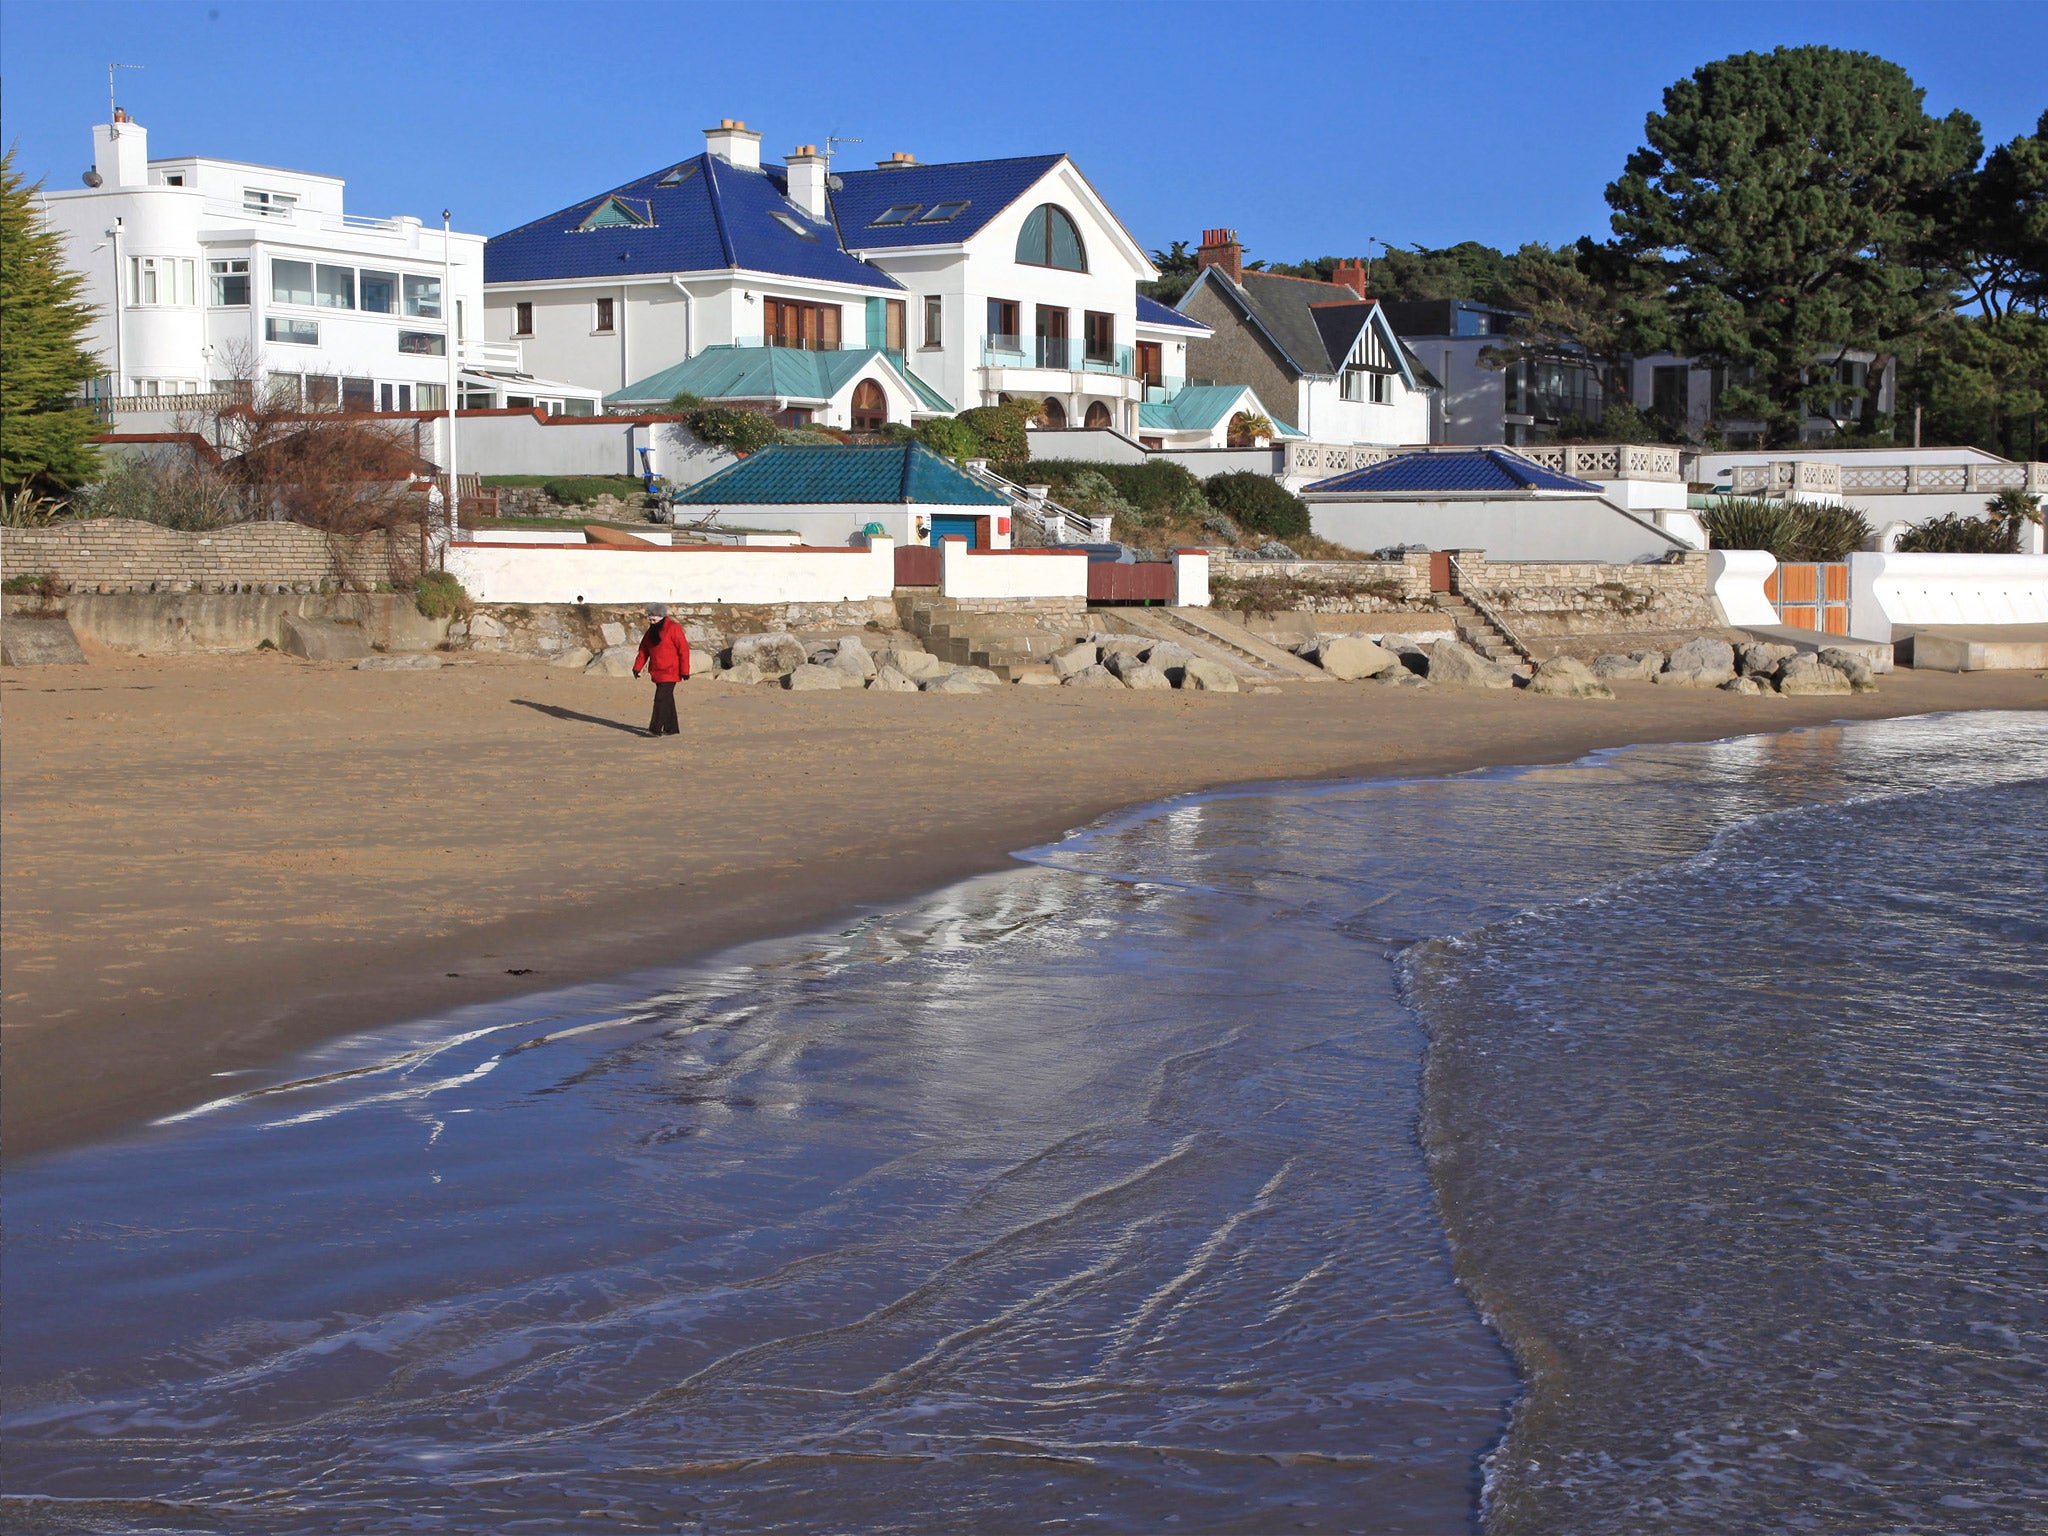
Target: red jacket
[(664, 652)]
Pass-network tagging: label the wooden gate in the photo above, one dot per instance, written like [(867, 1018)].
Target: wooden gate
[(1440, 570), (1149, 581), (1811, 596), (917, 565)]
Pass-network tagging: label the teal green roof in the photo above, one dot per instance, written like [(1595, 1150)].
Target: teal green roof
[(755, 373), (786, 475), (1201, 408)]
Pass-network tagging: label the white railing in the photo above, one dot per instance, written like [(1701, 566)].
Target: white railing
[(1887, 479), (1607, 461), (1486, 610), (1061, 525), (107, 406), (1320, 459)]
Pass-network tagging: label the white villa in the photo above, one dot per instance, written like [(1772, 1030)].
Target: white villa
[(957, 285), (208, 275)]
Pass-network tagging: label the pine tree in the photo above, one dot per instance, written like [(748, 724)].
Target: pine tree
[(1787, 195), (44, 438)]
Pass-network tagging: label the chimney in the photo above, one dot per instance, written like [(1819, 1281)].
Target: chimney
[(1219, 248), (1350, 274), (731, 142), (806, 169), (120, 152), (897, 161)]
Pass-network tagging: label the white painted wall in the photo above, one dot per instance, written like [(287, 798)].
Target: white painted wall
[(974, 573), (597, 573), (1191, 578), (1888, 591), (1566, 528), (1735, 579)]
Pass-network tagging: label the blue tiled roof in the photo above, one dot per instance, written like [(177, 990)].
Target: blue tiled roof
[(1152, 312), (708, 216), (986, 186), (791, 476), (755, 373), (1482, 469)]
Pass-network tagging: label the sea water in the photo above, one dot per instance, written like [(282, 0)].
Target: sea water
[(1650, 1143)]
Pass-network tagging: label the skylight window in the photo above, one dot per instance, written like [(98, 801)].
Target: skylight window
[(619, 213), (941, 212), (678, 176), (901, 213), (791, 223)]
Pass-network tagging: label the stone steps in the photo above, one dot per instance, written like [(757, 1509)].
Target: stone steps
[(1483, 635)]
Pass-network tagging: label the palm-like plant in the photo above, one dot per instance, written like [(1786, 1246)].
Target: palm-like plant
[(1247, 425)]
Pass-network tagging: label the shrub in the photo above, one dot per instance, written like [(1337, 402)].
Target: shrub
[(43, 584), (951, 437), (1830, 532), (439, 595), (28, 508), (1258, 502), (1956, 534), (685, 403), (176, 491), (1790, 530), (1001, 429), (725, 426), (581, 490), (1158, 485), (809, 437)]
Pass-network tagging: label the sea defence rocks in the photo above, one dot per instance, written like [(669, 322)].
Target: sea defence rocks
[(1635, 667), (318, 641), (741, 674), (888, 679), (1852, 666), (1761, 658), (1094, 675), (810, 678), (1078, 659), (1564, 678), (39, 642), (1454, 664), (614, 661), (1145, 676), (1806, 674), (1351, 657), (775, 655), (955, 682), (576, 658), (419, 662), (1701, 663), (1208, 676), (915, 665), (852, 658)]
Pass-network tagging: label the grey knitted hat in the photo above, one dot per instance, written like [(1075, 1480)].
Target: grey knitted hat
[(657, 610)]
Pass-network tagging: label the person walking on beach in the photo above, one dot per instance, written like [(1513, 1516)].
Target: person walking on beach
[(665, 653)]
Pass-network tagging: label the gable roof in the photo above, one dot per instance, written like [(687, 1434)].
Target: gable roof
[(1313, 325), (1475, 470), (1152, 312), (755, 373), (986, 186), (1201, 407), (786, 475), (704, 215)]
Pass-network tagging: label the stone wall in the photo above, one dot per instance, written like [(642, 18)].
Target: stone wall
[(547, 629), (1574, 598), (534, 501), (118, 555), (1323, 586), (201, 623)]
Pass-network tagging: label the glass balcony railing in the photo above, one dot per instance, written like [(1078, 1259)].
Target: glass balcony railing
[(1067, 352)]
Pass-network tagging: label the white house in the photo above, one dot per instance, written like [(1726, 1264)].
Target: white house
[(977, 281), (208, 275), (1322, 354)]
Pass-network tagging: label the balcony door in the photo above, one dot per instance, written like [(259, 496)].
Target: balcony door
[(1052, 338)]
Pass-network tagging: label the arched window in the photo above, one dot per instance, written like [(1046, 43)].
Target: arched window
[(1049, 239), (870, 406), (1055, 413), (1098, 414)]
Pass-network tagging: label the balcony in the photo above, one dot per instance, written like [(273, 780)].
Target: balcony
[(1067, 354)]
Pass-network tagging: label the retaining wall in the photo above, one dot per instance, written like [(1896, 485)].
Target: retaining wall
[(1587, 598), (198, 623), (120, 555), (1892, 591), (1330, 586), (548, 629)]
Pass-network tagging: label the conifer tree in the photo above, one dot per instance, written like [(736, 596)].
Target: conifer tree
[(44, 364)]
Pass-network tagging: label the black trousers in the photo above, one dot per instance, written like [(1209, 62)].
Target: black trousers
[(664, 722)]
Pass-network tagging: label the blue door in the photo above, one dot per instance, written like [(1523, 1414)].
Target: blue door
[(968, 528)]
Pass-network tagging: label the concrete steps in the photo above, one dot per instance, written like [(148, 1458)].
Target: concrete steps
[(1209, 634), (1483, 635)]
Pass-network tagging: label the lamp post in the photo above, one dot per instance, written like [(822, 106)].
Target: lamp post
[(448, 312)]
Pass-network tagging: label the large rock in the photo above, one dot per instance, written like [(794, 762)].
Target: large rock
[(915, 665), (888, 679), (1036, 677), (1350, 657), (1454, 664), (1701, 663), (614, 661), (39, 643), (1808, 674), (813, 679), (954, 682), (776, 655), (743, 674), (852, 658), (1401, 677), (1123, 663), (1208, 676), (1761, 658), (1625, 669), (1078, 659), (422, 662), (1564, 678), (1145, 676), (1746, 685), (484, 627), (1852, 666), (575, 658), (318, 641), (1092, 676), (610, 632), (1167, 655)]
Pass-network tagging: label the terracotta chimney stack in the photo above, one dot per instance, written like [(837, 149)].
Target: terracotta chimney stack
[(1219, 248), (1350, 274)]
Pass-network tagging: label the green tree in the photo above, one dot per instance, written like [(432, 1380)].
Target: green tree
[(1467, 270), (44, 438), (1786, 195), (1997, 232), (1177, 273), (1982, 382)]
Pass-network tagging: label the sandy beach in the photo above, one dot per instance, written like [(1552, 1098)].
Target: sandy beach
[(211, 862)]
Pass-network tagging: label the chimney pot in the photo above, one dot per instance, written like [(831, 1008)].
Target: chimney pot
[(732, 141), (1220, 249)]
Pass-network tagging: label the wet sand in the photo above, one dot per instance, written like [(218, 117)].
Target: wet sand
[(211, 862)]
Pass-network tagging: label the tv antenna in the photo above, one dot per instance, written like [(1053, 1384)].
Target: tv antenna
[(830, 140), (112, 110)]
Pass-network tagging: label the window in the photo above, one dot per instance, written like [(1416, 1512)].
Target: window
[(1005, 325), (886, 324), (430, 397), (335, 287), (1050, 239), (1382, 388), (300, 333), (1670, 392), (358, 394), (934, 321), (940, 213), (1054, 348), (269, 205), (1098, 331), (291, 282), (1055, 413), (323, 389), (619, 213), (870, 406), (1367, 385), (1098, 415), (810, 327), (394, 397), (519, 402), (522, 319), (423, 343), (423, 297), (604, 317), (175, 181), (675, 178), (901, 213), (579, 408), (378, 292), (161, 280), (793, 224), (460, 327), (230, 282)]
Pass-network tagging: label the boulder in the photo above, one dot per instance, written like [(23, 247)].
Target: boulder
[(317, 641), (888, 679), (744, 673), (1746, 685), (28, 642), (1093, 676), (614, 661), (1454, 664), (1036, 677), (1760, 658), (1123, 645), (1852, 666), (1701, 663), (483, 627), (612, 634), (776, 655), (1350, 657), (1079, 659), (1401, 677), (422, 662), (1619, 668), (576, 658), (1653, 661), (915, 665), (1563, 677), (1123, 663), (1208, 676), (812, 679), (1145, 676), (1167, 654), (954, 682), (1807, 674), (852, 658)]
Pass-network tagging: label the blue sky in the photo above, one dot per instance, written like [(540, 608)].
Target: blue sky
[(1309, 128)]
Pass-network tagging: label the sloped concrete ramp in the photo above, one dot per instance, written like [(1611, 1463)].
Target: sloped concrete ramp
[(39, 642)]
